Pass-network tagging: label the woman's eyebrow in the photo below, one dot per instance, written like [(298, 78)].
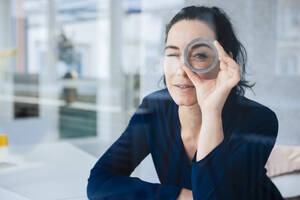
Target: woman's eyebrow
[(171, 47), (200, 45)]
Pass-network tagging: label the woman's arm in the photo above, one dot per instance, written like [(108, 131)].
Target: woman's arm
[(211, 133), (234, 168), (211, 97), (110, 177), (230, 168)]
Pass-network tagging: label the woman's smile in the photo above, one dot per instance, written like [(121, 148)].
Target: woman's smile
[(184, 88)]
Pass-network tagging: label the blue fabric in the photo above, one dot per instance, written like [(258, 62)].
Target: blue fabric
[(232, 170)]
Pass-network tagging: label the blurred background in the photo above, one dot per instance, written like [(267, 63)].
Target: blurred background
[(74, 71)]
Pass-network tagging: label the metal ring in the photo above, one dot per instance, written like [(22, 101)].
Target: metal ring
[(201, 71)]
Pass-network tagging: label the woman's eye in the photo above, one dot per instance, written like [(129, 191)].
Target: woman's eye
[(200, 56), (172, 55)]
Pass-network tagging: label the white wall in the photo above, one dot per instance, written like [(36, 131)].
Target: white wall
[(256, 25)]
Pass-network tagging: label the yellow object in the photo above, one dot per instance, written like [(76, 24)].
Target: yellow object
[(5, 54), (8, 52), (3, 140)]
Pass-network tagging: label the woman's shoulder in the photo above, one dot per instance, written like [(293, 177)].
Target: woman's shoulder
[(256, 108), (158, 100), (256, 114), (159, 95)]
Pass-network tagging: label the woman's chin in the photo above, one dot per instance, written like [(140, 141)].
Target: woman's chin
[(183, 98), (185, 101)]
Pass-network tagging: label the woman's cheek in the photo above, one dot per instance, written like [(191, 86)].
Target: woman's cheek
[(170, 65)]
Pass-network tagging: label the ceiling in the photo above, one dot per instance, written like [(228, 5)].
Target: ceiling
[(73, 11)]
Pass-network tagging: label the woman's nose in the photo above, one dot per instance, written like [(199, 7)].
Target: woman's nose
[(180, 70)]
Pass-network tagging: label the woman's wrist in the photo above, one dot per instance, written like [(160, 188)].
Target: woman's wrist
[(216, 107), (185, 194), (211, 114), (211, 133)]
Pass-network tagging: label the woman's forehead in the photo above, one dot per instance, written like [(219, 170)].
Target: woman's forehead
[(182, 32)]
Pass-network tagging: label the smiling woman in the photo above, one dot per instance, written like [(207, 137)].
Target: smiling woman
[(206, 139)]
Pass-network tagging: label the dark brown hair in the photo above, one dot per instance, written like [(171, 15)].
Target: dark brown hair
[(219, 22)]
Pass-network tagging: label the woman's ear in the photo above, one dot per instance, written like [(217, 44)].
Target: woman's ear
[(230, 54)]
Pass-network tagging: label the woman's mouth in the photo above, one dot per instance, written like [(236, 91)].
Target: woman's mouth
[(184, 88)]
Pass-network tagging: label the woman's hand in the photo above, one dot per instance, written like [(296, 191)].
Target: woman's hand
[(212, 93), (185, 194)]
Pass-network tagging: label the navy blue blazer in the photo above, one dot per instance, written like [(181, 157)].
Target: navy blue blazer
[(235, 169)]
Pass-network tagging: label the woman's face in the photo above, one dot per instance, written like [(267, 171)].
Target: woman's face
[(180, 34)]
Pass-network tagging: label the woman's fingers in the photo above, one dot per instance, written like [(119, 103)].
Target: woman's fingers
[(231, 63), (222, 55), (193, 76), (223, 64), (226, 62), (220, 49), (233, 69)]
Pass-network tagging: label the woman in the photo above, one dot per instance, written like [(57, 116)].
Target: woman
[(206, 139)]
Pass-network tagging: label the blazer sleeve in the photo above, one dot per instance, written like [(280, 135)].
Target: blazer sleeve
[(110, 177), (236, 166)]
